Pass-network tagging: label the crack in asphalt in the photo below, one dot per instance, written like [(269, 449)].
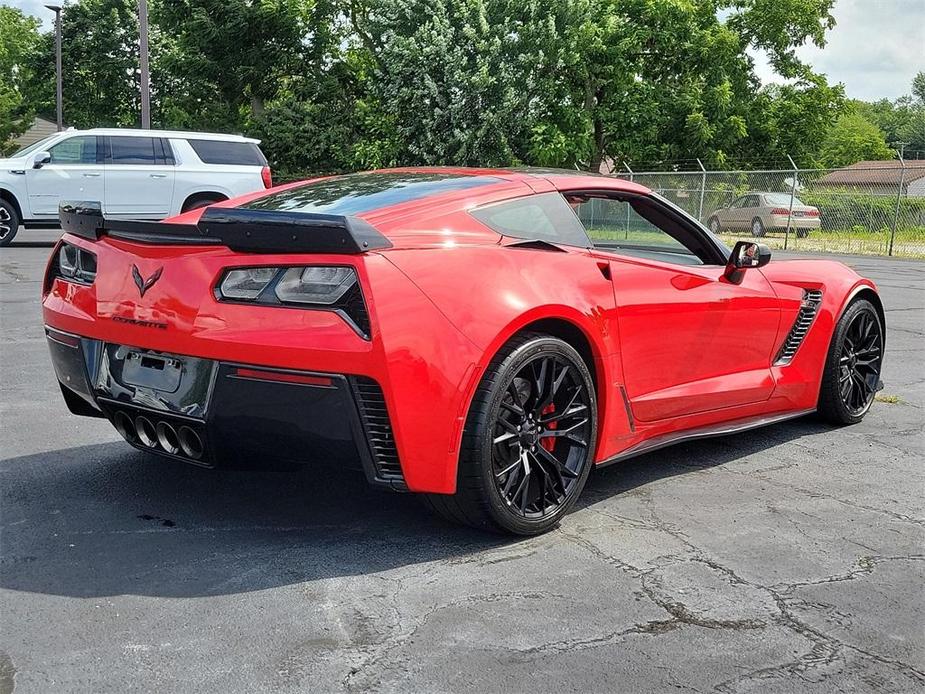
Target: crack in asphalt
[(825, 649)]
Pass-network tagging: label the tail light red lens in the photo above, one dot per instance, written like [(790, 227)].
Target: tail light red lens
[(812, 212), (267, 177), (780, 210)]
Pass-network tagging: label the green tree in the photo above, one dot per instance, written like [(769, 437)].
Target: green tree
[(100, 71), (792, 120), (902, 120), (455, 77), (224, 59), (918, 88), (667, 79), (19, 37), (854, 139)]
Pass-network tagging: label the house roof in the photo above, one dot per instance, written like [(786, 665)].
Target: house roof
[(39, 129), (875, 173)]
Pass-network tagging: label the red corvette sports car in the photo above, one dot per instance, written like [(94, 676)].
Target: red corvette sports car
[(481, 337)]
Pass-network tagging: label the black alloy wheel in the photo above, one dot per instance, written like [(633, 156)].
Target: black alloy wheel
[(541, 436), (528, 444), (859, 363), (852, 375)]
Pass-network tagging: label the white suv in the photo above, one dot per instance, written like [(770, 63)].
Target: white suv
[(135, 174)]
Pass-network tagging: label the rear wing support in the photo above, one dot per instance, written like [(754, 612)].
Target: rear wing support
[(238, 228)]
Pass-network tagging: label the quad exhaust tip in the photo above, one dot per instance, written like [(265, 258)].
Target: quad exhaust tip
[(167, 438), (125, 426), (190, 442), (182, 440), (146, 431)]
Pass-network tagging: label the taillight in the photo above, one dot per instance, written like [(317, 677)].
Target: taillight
[(72, 264), (812, 212), (267, 177), (780, 210), (331, 287)]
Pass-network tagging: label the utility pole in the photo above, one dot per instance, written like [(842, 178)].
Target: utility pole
[(58, 90), (143, 55)]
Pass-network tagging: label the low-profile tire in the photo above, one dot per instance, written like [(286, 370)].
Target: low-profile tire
[(9, 222), (714, 224), (852, 366), (757, 228), (802, 233), (528, 444)]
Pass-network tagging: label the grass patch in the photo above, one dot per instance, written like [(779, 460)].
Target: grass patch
[(908, 243), (889, 399)]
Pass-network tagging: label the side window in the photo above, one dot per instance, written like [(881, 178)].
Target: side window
[(751, 201), (544, 217), (737, 203), (134, 150), (643, 226), (75, 150), (611, 220)]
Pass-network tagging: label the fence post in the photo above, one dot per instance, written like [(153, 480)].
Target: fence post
[(703, 189), (899, 196), (793, 194), (626, 227)]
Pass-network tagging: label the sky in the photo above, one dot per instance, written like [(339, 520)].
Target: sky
[(875, 49)]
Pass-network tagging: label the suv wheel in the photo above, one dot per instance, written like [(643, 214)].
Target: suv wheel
[(196, 203), (9, 222)]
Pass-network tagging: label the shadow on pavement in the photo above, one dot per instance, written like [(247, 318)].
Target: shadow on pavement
[(106, 520)]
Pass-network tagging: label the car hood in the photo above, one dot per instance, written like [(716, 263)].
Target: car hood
[(11, 163)]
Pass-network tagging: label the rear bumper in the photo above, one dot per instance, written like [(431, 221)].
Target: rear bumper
[(780, 222), (219, 412)]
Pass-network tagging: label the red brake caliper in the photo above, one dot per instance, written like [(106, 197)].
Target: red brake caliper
[(549, 442)]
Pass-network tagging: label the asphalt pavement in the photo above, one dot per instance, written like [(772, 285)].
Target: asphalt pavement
[(790, 559)]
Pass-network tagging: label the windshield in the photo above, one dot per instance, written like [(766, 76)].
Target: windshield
[(782, 199), (34, 147)]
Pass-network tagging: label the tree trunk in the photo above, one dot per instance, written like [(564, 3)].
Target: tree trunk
[(256, 106), (597, 144)]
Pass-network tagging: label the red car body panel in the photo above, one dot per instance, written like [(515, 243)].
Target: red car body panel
[(674, 348)]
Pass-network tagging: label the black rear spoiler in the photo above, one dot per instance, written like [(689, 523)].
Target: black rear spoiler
[(238, 228)]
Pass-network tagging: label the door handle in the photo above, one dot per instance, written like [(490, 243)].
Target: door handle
[(154, 175), (91, 175)]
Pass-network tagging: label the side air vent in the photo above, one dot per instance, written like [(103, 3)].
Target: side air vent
[(812, 298), (378, 428)]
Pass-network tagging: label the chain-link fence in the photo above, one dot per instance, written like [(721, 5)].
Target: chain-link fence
[(871, 208)]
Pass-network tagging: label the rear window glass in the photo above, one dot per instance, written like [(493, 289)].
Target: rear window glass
[(782, 199), (545, 217), (229, 153), (357, 193)]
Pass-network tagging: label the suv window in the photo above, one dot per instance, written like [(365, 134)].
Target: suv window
[(544, 217), (230, 153), (75, 150), (134, 150)]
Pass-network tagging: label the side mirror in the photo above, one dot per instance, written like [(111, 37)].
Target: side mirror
[(745, 255), (41, 159)]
